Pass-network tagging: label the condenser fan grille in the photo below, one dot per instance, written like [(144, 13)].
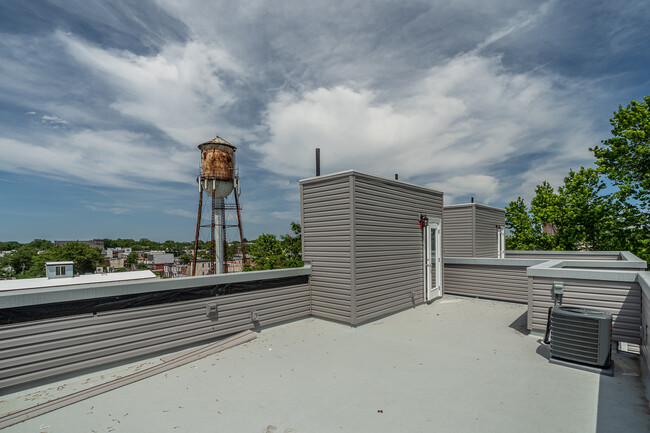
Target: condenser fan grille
[(581, 335)]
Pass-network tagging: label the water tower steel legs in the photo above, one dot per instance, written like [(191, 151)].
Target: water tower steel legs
[(224, 240), (241, 232), (212, 243), (198, 226), (218, 225), (219, 234), (218, 263)]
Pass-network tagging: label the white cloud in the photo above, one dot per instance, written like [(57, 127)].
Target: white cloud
[(105, 158), (484, 188), (285, 216), (53, 120), (520, 21), (181, 212), (466, 116), (179, 90)]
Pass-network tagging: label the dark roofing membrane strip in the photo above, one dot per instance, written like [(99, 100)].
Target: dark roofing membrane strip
[(112, 303)]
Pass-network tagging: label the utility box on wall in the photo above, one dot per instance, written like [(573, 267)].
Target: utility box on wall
[(474, 230), (363, 237)]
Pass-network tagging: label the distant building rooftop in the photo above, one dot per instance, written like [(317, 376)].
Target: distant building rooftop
[(44, 283)]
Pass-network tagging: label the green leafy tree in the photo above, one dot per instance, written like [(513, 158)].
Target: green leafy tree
[(131, 259), (546, 208), (20, 260), (580, 217), (85, 258), (175, 248), (266, 252), (145, 244), (522, 231), (625, 158), (589, 218), (9, 245), (119, 243), (292, 247), (185, 259), (234, 248), (41, 244), (269, 252), (205, 254)]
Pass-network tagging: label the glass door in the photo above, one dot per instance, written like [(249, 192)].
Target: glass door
[(501, 242), (433, 261)]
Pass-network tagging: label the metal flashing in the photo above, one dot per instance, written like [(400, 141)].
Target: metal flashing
[(556, 269), (27, 297), (564, 253), (460, 205), (489, 261)]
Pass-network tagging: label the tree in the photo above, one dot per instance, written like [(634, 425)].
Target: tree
[(625, 158), (175, 248), (234, 248), (546, 209), (41, 244), (185, 259), (269, 252), (145, 244), (20, 260), (132, 259), (523, 232), (85, 258), (580, 216), (119, 243), (587, 217), (292, 247), (9, 245), (266, 252)]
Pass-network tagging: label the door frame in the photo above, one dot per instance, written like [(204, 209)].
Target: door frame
[(501, 242), (432, 289)]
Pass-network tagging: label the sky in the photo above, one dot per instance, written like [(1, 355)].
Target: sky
[(103, 104)]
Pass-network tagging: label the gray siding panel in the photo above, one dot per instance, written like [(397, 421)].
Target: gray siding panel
[(622, 299), (388, 244), (41, 349), (326, 242), (470, 230), (644, 282), (485, 231), (458, 231), (505, 283)]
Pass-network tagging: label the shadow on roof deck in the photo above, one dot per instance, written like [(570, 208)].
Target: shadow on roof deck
[(457, 365)]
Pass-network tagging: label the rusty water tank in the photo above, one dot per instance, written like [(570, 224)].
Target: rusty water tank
[(217, 167)]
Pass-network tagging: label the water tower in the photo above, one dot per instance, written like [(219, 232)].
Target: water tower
[(218, 179)]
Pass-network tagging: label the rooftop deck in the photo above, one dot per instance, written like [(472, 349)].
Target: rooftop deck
[(457, 365)]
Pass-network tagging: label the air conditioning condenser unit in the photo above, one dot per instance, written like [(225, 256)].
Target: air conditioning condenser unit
[(581, 335)]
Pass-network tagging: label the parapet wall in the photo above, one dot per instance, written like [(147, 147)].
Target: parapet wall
[(644, 283), (38, 349), (603, 280)]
